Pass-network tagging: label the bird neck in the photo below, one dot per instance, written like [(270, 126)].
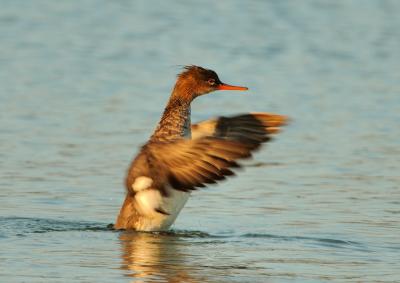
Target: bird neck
[(175, 121)]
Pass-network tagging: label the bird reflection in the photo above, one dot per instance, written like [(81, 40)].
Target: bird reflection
[(155, 257)]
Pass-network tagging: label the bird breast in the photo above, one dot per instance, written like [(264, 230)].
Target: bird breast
[(150, 202), (187, 132)]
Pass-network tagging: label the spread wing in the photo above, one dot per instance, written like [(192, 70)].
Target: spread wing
[(256, 127), (189, 164), (213, 151)]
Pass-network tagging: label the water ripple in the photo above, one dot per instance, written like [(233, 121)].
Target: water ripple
[(337, 243), (21, 226)]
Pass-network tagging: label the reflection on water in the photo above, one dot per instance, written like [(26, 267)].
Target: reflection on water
[(155, 257)]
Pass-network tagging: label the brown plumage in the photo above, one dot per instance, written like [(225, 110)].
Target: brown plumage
[(180, 157)]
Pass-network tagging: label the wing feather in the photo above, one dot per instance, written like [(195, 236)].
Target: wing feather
[(252, 126), (190, 164), (214, 149)]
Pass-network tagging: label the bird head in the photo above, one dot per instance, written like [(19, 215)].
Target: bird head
[(195, 81)]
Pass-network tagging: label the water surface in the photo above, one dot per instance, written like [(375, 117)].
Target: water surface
[(83, 83)]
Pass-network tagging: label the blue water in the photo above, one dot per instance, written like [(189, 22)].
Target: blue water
[(83, 83)]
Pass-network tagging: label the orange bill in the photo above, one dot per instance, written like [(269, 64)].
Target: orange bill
[(231, 87)]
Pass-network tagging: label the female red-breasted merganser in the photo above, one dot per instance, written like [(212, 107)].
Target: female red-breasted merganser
[(180, 157)]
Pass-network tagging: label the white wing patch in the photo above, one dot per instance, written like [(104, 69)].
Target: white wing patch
[(142, 183), (149, 201)]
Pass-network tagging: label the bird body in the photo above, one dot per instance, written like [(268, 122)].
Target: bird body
[(180, 157)]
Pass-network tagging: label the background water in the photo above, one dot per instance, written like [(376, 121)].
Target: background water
[(83, 83)]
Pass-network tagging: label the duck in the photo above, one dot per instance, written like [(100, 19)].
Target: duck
[(181, 157)]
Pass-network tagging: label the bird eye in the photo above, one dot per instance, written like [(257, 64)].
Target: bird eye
[(211, 82)]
